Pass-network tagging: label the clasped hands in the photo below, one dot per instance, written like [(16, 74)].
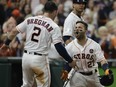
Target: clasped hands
[(64, 73), (73, 64)]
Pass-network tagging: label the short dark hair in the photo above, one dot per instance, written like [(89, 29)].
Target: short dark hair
[(50, 6), (84, 23)]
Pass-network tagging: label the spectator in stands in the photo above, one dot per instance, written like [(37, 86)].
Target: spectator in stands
[(17, 15), (27, 11), (7, 26), (104, 40), (35, 3), (112, 14), (111, 29), (4, 27), (2, 14), (61, 16), (91, 27), (6, 52), (92, 9), (102, 14), (16, 44), (38, 10), (113, 42), (68, 6), (114, 37)]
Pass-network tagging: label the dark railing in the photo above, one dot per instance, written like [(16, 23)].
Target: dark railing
[(11, 71)]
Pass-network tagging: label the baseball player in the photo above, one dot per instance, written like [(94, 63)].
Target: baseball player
[(88, 53), (39, 30), (74, 16), (69, 24)]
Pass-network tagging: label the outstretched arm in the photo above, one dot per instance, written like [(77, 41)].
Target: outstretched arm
[(62, 51)]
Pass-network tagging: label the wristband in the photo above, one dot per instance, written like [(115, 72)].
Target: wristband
[(105, 66), (67, 67), (7, 42)]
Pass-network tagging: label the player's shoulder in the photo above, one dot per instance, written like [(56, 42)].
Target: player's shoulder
[(93, 42), (35, 17), (70, 16), (54, 24), (31, 17)]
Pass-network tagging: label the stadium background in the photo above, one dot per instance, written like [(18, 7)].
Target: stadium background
[(17, 10), (11, 73)]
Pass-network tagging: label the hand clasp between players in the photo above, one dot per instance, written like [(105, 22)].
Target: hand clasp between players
[(73, 64)]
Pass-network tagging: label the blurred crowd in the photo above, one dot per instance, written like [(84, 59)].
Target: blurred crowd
[(99, 14)]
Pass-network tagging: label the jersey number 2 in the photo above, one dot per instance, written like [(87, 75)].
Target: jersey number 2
[(35, 34)]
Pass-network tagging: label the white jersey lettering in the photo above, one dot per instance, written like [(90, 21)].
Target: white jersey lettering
[(40, 31)]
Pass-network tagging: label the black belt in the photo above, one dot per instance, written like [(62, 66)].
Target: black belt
[(88, 73), (33, 53)]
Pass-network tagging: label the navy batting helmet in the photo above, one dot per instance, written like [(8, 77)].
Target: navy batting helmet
[(107, 80), (79, 1)]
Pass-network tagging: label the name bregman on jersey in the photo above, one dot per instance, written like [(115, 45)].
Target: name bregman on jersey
[(40, 22)]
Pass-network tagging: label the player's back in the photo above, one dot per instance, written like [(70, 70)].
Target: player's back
[(39, 30)]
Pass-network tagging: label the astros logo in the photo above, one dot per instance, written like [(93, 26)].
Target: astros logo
[(91, 50)]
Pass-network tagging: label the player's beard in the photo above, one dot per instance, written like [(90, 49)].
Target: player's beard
[(80, 35), (79, 11)]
